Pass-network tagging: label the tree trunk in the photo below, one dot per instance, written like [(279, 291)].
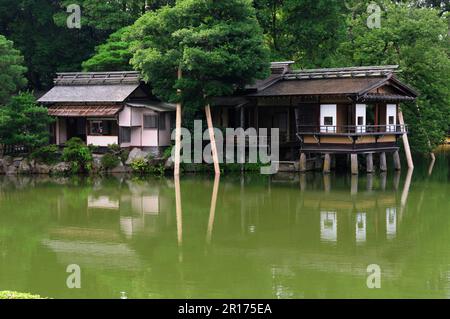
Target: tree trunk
[(213, 139)]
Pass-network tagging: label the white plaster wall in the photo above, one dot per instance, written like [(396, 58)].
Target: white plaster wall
[(125, 117), (102, 140)]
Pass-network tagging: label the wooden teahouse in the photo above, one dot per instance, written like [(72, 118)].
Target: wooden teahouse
[(323, 112)]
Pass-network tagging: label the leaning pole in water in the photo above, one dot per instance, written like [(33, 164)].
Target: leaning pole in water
[(178, 132), (406, 142), (213, 139)]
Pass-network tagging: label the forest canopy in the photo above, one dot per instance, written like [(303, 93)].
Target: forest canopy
[(36, 43)]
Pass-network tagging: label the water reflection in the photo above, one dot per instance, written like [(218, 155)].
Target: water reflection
[(306, 236)]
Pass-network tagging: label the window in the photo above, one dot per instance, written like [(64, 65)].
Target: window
[(100, 127), (96, 128), (150, 121), (162, 121), (391, 120), (360, 120), (125, 134), (328, 120)]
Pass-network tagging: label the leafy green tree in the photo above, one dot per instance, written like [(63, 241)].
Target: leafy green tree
[(218, 45), (24, 122), (11, 70), (417, 40), (47, 47), (114, 55)]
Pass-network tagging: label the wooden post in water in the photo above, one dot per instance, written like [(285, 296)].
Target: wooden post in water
[(327, 164), (302, 163), (178, 132), (369, 163), (383, 165), (354, 164), (397, 163), (406, 142), (213, 139)]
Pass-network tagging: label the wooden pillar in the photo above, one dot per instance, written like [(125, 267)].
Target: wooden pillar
[(354, 164), (369, 163), (326, 183), (383, 181), (383, 165), (327, 164), (397, 163), (354, 185), (369, 182), (213, 139), (409, 159), (302, 163), (178, 133)]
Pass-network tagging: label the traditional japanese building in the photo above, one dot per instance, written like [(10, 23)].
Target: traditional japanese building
[(324, 111), (109, 108)]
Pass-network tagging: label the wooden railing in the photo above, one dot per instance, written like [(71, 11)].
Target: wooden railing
[(352, 130), (12, 149)]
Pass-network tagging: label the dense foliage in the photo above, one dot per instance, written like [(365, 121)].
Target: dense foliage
[(78, 154), (111, 56), (221, 45), (217, 44), (11, 70), (24, 122)]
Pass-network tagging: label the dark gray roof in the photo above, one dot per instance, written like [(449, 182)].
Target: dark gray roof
[(89, 93), (92, 87)]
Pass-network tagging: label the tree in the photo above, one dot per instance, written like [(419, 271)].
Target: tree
[(218, 46), (24, 122), (114, 55), (417, 40), (11, 70)]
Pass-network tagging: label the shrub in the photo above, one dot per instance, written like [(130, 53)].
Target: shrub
[(168, 152), (140, 166), (17, 295), (78, 155), (122, 153), (47, 154), (110, 161)]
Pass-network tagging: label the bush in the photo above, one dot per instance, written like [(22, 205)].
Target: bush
[(122, 153), (78, 155), (110, 161), (140, 166), (48, 154), (17, 295)]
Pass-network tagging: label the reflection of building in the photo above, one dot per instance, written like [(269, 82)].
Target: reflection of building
[(391, 222), (103, 202), (328, 226), (360, 232)]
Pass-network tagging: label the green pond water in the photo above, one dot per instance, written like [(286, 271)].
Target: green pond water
[(290, 236)]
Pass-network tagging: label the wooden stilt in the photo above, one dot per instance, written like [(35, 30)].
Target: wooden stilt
[(354, 164), (302, 163), (383, 165), (327, 164), (406, 142), (369, 163), (369, 182), (178, 133), (354, 185), (397, 163), (327, 183), (213, 139)]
